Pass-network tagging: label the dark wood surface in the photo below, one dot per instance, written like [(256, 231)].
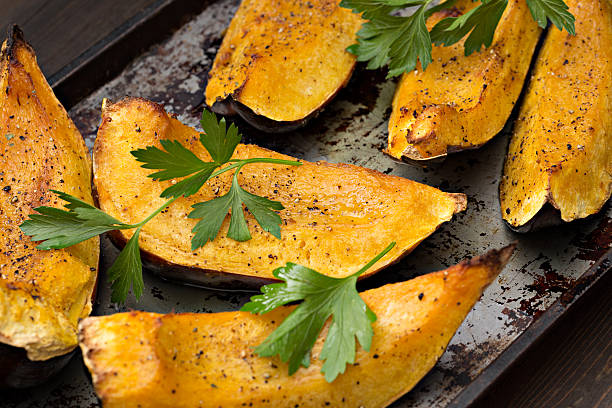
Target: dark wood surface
[(61, 30), (570, 366)]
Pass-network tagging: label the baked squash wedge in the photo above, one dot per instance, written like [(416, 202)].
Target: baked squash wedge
[(461, 102), (561, 149), (335, 216), (43, 294), (207, 360), (281, 61)]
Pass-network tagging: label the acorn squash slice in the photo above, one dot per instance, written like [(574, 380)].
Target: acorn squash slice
[(335, 215), (206, 360), (561, 149), (43, 294), (461, 102), (281, 61)]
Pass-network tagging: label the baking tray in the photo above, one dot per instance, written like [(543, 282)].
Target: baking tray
[(550, 270)]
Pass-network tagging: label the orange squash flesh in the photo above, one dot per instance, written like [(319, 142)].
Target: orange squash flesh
[(561, 152), (335, 216), (43, 294), (461, 102), (282, 60), (206, 360)]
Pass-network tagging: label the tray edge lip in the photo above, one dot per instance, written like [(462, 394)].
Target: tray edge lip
[(479, 386), (70, 76)]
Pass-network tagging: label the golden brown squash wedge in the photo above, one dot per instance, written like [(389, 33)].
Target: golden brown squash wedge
[(461, 102), (43, 294), (335, 216), (281, 61), (561, 149), (206, 360)]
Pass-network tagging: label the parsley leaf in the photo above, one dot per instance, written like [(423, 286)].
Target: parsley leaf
[(58, 228), (389, 39), (219, 142), (213, 213), (323, 297), (190, 185), (554, 10), (126, 272), (386, 38), (480, 22), (175, 161), (178, 161)]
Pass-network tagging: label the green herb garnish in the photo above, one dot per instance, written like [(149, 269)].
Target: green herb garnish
[(58, 228), (323, 297), (399, 41)]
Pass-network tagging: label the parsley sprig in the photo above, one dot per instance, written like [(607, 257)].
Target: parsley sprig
[(323, 297), (58, 228), (387, 38)]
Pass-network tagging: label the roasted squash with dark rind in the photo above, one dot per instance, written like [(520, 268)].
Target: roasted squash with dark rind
[(335, 217), (43, 294), (461, 102), (561, 149), (195, 360), (281, 61)]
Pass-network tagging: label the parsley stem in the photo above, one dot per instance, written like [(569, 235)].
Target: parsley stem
[(154, 213), (237, 163), (374, 260), (240, 163)]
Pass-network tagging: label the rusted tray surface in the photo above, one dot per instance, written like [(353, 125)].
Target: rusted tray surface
[(548, 266)]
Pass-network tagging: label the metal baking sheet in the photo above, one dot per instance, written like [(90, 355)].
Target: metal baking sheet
[(547, 266)]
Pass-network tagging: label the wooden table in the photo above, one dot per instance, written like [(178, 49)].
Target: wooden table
[(570, 366)]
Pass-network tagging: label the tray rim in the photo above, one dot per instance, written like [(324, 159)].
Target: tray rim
[(484, 381)]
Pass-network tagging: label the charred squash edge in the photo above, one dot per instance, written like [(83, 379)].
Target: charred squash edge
[(550, 216), (411, 154), (230, 106)]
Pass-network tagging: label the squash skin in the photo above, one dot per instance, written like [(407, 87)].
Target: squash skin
[(43, 294), (17, 371), (175, 357), (335, 216), (461, 102), (560, 152), (281, 61)]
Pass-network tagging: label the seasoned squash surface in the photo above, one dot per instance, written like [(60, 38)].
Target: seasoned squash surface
[(561, 150), (206, 360), (283, 59), (336, 216), (43, 294), (461, 102)]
